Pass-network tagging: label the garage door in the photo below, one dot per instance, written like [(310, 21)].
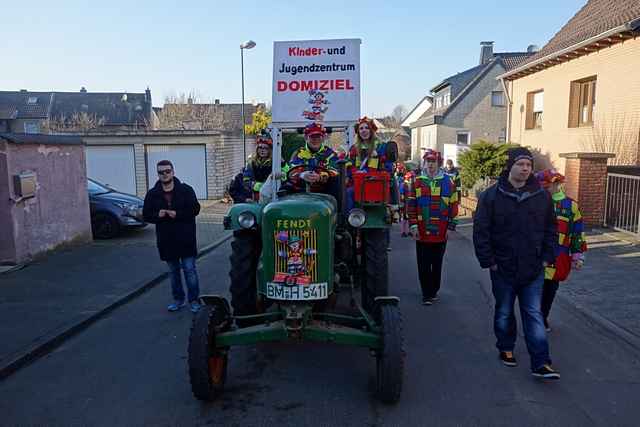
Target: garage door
[(188, 161), (113, 165)]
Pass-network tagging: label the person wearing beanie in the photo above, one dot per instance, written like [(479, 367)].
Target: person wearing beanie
[(514, 236), (432, 208), (572, 243)]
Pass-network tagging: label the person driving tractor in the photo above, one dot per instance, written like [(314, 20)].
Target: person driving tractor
[(314, 165), (258, 169)]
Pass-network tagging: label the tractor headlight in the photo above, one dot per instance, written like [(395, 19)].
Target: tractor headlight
[(246, 220), (357, 218)]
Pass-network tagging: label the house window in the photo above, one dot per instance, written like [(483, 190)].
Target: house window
[(535, 107), (447, 99), (582, 102), (438, 103), (497, 99), (31, 127), (32, 100), (463, 138)]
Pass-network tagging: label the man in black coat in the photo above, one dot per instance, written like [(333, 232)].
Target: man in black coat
[(514, 234), (172, 206)]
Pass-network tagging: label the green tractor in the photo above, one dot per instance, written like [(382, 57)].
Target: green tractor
[(294, 261)]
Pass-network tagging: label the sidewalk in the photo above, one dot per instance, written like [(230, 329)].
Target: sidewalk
[(57, 296), (607, 289)]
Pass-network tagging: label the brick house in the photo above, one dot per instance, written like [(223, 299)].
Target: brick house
[(467, 106), (552, 95)]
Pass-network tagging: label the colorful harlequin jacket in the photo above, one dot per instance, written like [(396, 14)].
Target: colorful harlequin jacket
[(323, 162), (432, 206), (571, 240), (380, 158)]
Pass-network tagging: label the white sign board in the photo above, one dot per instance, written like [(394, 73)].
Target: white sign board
[(316, 81)]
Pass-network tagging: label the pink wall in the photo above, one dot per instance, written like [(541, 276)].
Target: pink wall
[(60, 211)]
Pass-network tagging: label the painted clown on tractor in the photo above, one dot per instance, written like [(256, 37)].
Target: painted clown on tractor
[(309, 261)]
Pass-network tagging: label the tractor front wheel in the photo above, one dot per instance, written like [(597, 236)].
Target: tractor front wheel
[(245, 252), (207, 364), (375, 277), (390, 357)]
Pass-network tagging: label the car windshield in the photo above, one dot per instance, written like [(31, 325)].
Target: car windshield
[(96, 188)]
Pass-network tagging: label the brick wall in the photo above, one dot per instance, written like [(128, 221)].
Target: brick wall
[(586, 182)]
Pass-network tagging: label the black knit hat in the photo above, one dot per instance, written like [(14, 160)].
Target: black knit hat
[(516, 154)]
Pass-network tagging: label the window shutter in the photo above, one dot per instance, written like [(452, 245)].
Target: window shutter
[(574, 105), (529, 112)]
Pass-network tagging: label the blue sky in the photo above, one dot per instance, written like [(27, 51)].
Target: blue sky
[(173, 47)]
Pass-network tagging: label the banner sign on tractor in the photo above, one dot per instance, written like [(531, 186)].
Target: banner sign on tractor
[(316, 81)]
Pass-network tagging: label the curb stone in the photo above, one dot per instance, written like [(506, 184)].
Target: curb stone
[(60, 336)]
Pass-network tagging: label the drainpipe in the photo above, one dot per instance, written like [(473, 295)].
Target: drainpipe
[(509, 108)]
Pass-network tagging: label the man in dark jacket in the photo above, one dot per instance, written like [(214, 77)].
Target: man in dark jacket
[(172, 206), (514, 235)]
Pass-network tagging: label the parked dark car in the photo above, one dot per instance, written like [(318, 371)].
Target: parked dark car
[(112, 211)]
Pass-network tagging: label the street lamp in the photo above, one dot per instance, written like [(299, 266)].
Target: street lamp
[(250, 44)]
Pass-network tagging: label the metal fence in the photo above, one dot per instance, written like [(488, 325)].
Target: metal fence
[(622, 209)]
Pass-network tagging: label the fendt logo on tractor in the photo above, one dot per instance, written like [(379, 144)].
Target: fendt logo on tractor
[(309, 258)]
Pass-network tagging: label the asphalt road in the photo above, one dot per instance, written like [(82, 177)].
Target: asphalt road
[(130, 368)]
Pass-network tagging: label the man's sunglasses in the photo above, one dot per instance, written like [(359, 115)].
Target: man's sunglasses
[(165, 172)]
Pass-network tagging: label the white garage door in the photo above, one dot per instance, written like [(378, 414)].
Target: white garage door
[(188, 162), (113, 165)]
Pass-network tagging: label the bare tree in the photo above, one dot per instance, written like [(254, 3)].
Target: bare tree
[(184, 111), (615, 133), (399, 113), (77, 122)]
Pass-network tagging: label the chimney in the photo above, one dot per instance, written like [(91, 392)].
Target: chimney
[(486, 52), (217, 102), (190, 100), (147, 95), (83, 90)]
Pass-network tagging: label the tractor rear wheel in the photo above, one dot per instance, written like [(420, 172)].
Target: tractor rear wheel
[(375, 277), (207, 364), (245, 252), (390, 357)]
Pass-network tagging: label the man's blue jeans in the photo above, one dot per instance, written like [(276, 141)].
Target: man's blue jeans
[(188, 265), (504, 324)]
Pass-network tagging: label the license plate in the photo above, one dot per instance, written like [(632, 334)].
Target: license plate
[(310, 292)]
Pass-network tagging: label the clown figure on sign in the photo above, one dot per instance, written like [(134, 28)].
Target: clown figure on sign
[(294, 253)]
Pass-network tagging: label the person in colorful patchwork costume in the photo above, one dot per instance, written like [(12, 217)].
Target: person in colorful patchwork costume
[(432, 208), (411, 171), (454, 173), (398, 176), (368, 153), (258, 169), (572, 243), (313, 167)]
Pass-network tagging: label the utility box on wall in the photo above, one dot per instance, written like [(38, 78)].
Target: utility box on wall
[(24, 185)]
